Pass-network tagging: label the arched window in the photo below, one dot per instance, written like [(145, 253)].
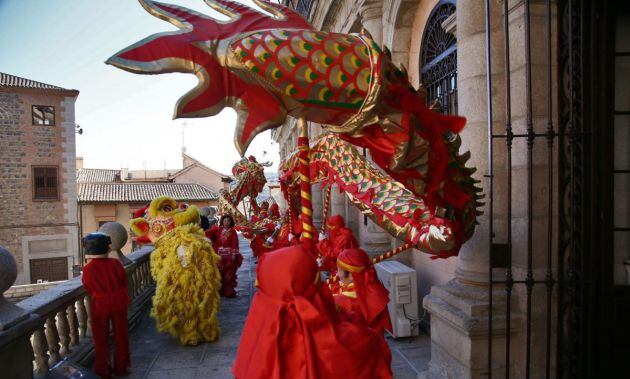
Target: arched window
[(438, 59)]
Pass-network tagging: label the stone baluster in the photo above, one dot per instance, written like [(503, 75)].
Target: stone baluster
[(147, 267), (63, 330), (88, 307), (146, 274), (40, 351), (131, 284), (73, 324), (52, 338), (138, 281), (143, 275), (82, 318)]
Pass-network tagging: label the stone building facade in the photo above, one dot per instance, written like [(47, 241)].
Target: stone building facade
[(38, 181)]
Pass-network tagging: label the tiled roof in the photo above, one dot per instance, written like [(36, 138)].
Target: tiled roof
[(141, 192), (7, 80), (97, 175)]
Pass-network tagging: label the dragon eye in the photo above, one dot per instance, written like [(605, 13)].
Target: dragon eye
[(167, 208)]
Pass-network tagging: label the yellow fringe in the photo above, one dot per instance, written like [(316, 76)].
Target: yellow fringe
[(186, 300)]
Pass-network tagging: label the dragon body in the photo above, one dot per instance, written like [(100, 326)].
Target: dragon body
[(268, 67)]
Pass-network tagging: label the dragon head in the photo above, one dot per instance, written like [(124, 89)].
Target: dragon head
[(250, 176), (162, 216)]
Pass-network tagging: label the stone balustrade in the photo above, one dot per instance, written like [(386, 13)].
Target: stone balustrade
[(58, 321)]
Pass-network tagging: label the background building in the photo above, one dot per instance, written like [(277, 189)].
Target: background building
[(38, 180), (115, 195), (541, 289)]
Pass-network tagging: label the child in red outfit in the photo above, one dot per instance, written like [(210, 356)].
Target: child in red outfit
[(105, 280), (225, 243)]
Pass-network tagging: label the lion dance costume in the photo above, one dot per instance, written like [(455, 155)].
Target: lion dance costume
[(184, 266)]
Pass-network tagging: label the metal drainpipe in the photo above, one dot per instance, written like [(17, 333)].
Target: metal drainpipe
[(81, 258)]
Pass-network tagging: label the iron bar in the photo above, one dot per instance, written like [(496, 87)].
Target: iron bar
[(550, 136), (490, 182), (566, 35), (530, 187), (509, 136), (573, 195)]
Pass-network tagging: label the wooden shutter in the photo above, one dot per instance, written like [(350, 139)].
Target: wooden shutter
[(45, 183), (49, 269)]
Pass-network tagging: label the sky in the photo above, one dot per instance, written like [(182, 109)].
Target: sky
[(126, 118)]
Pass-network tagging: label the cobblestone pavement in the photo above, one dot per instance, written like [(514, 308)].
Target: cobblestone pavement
[(157, 355)]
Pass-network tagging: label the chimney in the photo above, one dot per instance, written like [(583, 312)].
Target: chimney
[(79, 162)]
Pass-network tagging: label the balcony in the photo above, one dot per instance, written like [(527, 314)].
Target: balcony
[(56, 326)]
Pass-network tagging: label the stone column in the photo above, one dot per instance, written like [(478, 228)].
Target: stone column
[(459, 308), (16, 353), (337, 202), (318, 205), (371, 13)]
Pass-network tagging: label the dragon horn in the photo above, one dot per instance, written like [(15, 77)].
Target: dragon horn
[(227, 8)]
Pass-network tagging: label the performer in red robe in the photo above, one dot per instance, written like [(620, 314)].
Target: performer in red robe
[(339, 239), (274, 212), (261, 213), (293, 330), (105, 280), (361, 297), (264, 237), (275, 239), (225, 243)]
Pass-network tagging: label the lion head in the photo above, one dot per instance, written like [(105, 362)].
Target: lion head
[(162, 216)]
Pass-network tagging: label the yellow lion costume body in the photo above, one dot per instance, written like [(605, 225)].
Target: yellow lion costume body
[(184, 266)]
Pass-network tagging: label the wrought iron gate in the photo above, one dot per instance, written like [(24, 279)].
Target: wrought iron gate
[(578, 288)]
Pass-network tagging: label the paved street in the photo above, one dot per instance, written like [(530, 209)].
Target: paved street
[(156, 355)]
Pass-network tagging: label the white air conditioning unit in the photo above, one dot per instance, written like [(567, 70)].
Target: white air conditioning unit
[(400, 281)]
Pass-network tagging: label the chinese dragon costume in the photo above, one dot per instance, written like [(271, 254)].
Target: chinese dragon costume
[(268, 67)]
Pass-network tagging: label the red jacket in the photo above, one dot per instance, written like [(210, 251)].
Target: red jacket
[(222, 237), (105, 280)]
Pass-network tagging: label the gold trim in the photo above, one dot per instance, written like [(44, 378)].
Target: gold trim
[(349, 267)]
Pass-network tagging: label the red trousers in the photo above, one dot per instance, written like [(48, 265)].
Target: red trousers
[(100, 334), (229, 262)]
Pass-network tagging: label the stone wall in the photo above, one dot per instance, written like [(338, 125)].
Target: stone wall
[(17, 293), (22, 146)]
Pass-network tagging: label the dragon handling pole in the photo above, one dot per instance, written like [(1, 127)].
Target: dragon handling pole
[(307, 237), (326, 207), (391, 253)]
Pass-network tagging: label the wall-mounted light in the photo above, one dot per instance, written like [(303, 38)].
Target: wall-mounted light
[(79, 129)]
